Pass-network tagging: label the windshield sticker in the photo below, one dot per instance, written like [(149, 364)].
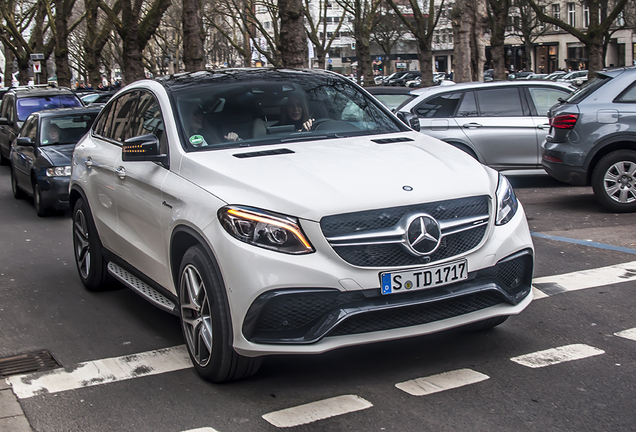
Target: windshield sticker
[(196, 140), (45, 141)]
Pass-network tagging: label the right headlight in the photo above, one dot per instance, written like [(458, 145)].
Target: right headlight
[(507, 203), (265, 229)]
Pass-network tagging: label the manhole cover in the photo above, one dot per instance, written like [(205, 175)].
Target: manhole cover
[(29, 362)]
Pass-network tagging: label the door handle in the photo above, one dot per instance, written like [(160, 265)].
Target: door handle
[(121, 172), (88, 163), (472, 125), (544, 126)]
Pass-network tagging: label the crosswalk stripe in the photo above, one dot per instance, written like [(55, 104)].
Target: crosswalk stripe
[(558, 355), (101, 371), (315, 411), (583, 279), (441, 382), (627, 334)]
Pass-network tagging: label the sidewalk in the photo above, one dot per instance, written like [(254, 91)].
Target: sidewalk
[(12, 418)]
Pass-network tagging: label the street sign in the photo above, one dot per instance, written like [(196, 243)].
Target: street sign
[(329, 60), (36, 56), (37, 67)]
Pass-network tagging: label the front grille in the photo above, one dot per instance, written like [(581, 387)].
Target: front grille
[(417, 314), (385, 252), (393, 255)]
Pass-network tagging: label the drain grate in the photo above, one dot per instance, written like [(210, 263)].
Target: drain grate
[(29, 362)]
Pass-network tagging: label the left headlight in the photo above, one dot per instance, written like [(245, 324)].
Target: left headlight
[(507, 203), (265, 229), (60, 171)]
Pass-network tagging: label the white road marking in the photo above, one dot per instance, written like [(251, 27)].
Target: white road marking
[(558, 355), (538, 294), (318, 410), (441, 382), (627, 334), (203, 429), (101, 371), (586, 279)]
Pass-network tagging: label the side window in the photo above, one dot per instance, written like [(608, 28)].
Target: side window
[(441, 106), (147, 119), (108, 122), (3, 110), (101, 122), (29, 129), (123, 114), (629, 96), (499, 102), (544, 98), (468, 107)]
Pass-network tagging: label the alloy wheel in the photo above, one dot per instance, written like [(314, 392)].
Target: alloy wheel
[(620, 182), (82, 244), (196, 315)]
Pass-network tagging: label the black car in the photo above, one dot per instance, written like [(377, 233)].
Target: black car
[(402, 79), (19, 103), (41, 155)]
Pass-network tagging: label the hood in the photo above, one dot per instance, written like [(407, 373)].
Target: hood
[(57, 155), (313, 179)]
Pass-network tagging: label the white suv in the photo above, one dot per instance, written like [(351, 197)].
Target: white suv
[(273, 232)]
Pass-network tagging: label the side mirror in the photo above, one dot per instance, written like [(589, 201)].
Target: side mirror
[(24, 141), (143, 148), (5, 121), (410, 119)]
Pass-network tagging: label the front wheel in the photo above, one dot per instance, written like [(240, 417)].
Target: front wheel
[(614, 181), (206, 320), (41, 209), (88, 249), (486, 324), (15, 189)]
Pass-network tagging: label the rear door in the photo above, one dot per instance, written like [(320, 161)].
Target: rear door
[(541, 99), (503, 132)]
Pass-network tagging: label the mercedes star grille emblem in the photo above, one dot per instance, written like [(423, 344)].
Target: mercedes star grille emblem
[(423, 234)]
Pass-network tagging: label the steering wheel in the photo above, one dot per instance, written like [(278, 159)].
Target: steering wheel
[(316, 125)]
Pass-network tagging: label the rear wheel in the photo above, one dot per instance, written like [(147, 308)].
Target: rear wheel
[(206, 321), (88, 249), (17, 192), (614, 181)]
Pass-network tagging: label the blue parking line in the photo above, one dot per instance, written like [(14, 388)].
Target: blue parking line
[(585, 243)]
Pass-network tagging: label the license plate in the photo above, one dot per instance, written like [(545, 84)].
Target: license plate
[(429, 277)]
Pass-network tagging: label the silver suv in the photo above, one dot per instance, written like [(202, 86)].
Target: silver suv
[(501, 124), (592, 139)]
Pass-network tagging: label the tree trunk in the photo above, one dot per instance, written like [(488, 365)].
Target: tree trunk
[(595, 56), (8, 66), (364, 71), (463, 25), (193, 36), (478, 40), (499, 21), (293, 40), (62, 68), (319, 53), (426, 62)]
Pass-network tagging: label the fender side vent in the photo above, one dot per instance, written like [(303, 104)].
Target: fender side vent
[(391, 140), (26, 363), (263, 153)]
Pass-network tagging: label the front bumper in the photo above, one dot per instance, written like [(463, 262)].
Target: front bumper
[(54, 191), (306, 316)]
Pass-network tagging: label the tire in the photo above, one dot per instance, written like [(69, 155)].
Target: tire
[(87, 249), (17, 192), (3, 160), (614, 181), (206, 321), (40, 208), (486, 324)]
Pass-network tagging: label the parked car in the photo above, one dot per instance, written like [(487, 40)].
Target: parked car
[(298, 238), (592, 139), (519, 75), (554, 75), (97, 98), (394, 75), (41, 156), (489, 75), (402, 79), (379, 79), (499, 123), (19, 103), (391, 97), (536, 76), (574, 77)]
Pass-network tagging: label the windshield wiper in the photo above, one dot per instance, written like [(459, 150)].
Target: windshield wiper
[(308, 138)]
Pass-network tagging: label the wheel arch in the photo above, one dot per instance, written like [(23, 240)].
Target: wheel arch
[(76, 193), (606, 146), (183, 238), (467, 148)]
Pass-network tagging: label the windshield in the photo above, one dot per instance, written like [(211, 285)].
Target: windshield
[(27, 106), (587, 88), (286, 107), (65, 130)]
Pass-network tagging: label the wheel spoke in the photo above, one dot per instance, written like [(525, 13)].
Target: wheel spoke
[(611, 190), (610, 177)]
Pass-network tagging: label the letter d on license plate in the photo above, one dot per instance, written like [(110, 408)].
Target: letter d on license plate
[(443, 274)]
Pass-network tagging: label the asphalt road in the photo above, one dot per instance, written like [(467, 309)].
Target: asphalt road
[(44, 306)]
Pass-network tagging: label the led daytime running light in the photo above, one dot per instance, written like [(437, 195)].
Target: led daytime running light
[(275, 222)]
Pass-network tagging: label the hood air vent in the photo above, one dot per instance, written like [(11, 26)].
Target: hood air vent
[(391, 140), (263, 153)]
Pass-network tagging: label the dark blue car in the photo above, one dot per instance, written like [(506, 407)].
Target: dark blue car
[(41, 155)]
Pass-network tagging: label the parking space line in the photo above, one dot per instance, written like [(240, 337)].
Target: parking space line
[(101, 371), (441, 382), (558, 355), (203, 429), (627, 334), (584, 243), (584, 279), (318, 410)]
